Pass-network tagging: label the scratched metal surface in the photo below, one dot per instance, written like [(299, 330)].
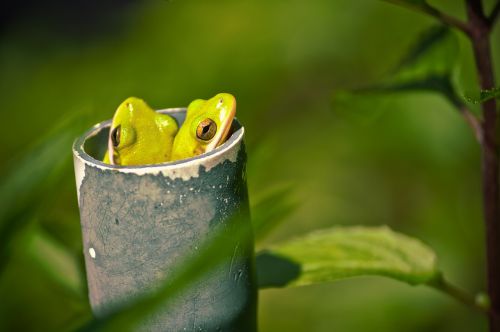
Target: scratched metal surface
[(137, 226)]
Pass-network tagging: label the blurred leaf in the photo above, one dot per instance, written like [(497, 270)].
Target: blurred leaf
[(35, 175), (28, 175), (38, 287), (55, 260), (211, 253), (271, 209), (434, 54), (343, 252), (485, 95), (220, 246), (361, 107), (427, 67)]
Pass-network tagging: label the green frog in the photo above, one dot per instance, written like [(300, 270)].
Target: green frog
[(206, 126), (139, 135)]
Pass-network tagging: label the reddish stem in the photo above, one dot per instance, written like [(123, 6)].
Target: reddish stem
[(479, 33)]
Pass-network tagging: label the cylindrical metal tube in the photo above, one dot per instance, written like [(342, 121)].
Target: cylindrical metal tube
[(138, 222)]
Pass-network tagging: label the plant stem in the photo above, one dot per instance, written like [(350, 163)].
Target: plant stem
[(458, 294), (473, 123), (479, 34), (434, 12)]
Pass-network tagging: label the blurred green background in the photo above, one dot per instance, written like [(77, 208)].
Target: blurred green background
[(408, 161)]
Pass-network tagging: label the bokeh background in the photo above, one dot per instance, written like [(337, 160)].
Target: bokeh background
[(408, 160)]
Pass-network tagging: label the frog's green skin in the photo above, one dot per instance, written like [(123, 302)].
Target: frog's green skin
[(140, 136), (206, 126)]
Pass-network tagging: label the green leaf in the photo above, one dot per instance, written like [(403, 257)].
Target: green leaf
[(343, 252), (434, 54)]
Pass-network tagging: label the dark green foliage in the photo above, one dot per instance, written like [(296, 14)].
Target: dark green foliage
[(427, 67), (40, 170)]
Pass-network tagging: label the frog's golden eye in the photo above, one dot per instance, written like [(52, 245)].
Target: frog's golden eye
[(206, 129), (115, 135)]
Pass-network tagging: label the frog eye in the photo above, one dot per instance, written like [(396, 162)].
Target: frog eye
[(115, 135), (206, 129)]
